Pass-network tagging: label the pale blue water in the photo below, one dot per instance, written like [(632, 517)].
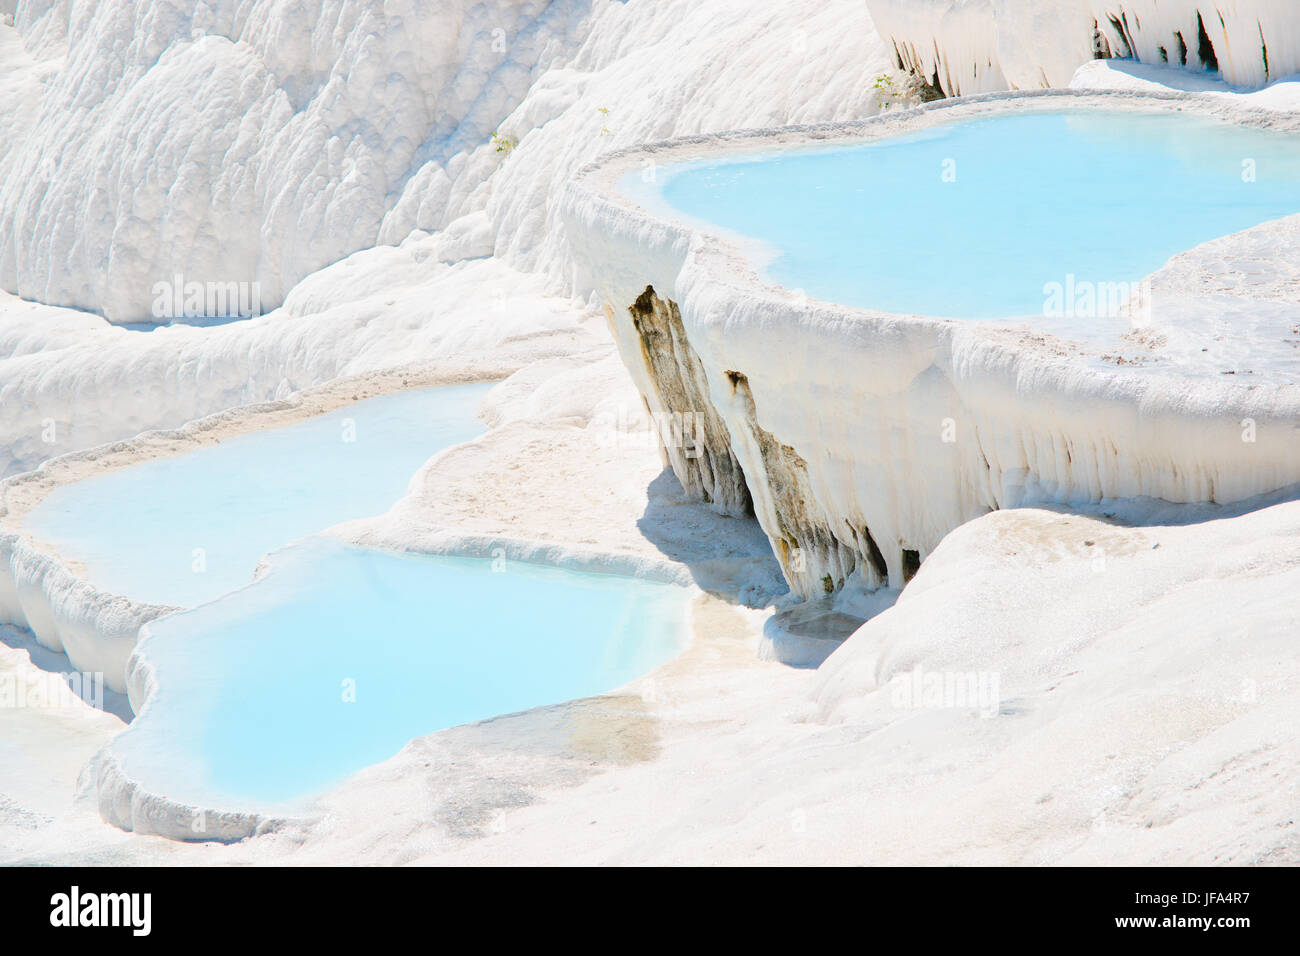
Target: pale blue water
[(1104, 197), (252, 704), (137, 530)]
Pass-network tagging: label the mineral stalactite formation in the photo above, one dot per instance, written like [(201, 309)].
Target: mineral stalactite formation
[(975, 46)]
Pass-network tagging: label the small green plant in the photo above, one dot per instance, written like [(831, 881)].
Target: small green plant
[(908, 91), (504, 144), (887, 91), (604, 111)]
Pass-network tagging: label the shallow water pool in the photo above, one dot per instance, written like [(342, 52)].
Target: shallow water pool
[(992, 218), (338, 656), (185, 530)]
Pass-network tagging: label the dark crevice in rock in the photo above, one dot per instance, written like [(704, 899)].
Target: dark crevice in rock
[(926, 88), (929, 91), (1205, 47), (911, 563), (875, 556), (1100, 45), (1125, 53), (932, 83)]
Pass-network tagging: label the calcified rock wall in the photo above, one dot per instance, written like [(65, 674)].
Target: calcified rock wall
[(975, 46), (1251, 41), (951, 45), (707, 457), (822, 532), (814, 554), (864, 444)]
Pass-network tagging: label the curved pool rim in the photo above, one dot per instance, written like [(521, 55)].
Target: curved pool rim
[(735, 262)]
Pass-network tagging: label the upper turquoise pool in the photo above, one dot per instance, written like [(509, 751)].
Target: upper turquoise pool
[(185, 530), (980, 219)]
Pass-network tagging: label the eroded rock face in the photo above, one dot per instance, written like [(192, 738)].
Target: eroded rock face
[(716, 448), (693, 436), (815, 556), (856, 476)]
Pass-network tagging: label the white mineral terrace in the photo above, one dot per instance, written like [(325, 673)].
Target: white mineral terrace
[(835, 415)]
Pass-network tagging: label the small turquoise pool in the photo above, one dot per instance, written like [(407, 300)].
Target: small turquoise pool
[(338, 656), (185, 530), (977, 220)]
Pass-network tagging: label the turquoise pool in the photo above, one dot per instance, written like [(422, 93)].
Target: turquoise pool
[(185, 530), (338, 656), (978, 219)]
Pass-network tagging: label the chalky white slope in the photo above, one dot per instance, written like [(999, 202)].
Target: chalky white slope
[(249, 141)]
